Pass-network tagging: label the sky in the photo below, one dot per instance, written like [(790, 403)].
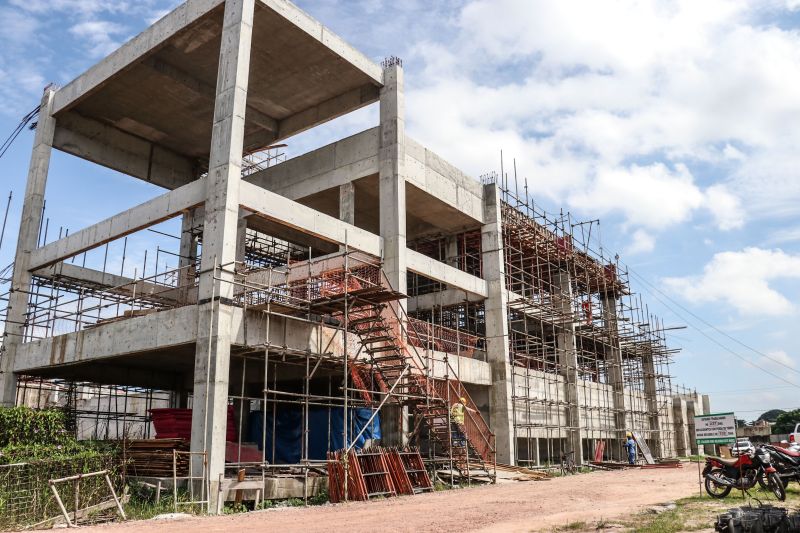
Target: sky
[(672, 122)]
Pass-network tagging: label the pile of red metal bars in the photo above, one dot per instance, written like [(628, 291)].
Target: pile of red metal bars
[(376, 472)]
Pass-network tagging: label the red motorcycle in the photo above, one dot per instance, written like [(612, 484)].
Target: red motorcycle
[(743, 472)]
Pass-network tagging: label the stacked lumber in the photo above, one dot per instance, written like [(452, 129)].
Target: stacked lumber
[(523, 474), (153, 458)]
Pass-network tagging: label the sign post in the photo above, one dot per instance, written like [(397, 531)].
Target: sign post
[(717, 428)]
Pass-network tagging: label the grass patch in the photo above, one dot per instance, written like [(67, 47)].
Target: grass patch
[(700, 512)]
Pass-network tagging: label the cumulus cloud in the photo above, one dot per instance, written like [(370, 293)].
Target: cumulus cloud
[(741, 280), (587, 95), (99, 36), (642, 242)]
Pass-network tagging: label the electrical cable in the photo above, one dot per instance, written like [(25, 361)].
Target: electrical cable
[(709, 337), (21, 126)]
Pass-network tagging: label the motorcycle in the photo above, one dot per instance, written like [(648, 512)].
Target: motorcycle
[(722, 475), (786, 461)]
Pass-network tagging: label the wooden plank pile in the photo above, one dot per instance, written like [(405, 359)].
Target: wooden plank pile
[(153, 458), (376, 472)]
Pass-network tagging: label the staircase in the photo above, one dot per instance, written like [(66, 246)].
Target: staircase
[(361, 293), (397, 364)]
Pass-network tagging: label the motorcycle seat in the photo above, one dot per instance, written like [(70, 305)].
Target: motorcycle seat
[(787, 451), (726, 462)]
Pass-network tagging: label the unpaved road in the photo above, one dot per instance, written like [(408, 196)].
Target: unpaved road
[(523, 506)]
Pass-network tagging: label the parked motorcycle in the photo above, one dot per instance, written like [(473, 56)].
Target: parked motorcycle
[(786, 461), (722, 475)]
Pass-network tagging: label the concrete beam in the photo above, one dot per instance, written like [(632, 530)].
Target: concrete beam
[(328, 110), (451, 276), (336, 44), (207, 91), (143, 290), (143, 44), (134, 219), (334, 165), (113, 148), (433, 175), (279, 209), (445, 298), (165, 329)]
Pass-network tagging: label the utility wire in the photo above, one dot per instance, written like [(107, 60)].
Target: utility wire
[(21, 126), (712, 326), (709, 337)]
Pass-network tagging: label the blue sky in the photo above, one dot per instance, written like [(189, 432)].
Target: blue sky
[(674, 122)]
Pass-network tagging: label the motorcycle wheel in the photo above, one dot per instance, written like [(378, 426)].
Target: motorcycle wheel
[(714, 490), (776, 486), (762, 481)]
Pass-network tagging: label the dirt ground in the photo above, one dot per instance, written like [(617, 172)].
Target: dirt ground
[(522, 506)]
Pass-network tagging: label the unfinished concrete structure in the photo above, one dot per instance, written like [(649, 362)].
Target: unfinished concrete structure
[(369, 272)]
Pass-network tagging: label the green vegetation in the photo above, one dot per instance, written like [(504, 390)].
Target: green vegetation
[(690, 514), (785, 422), (771, 415)]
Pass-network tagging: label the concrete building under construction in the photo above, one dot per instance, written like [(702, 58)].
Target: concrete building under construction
[(369, 274)]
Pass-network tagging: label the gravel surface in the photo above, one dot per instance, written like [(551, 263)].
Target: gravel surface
[(521, 506)]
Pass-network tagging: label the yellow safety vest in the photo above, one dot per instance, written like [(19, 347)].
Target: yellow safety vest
[(457, 413)]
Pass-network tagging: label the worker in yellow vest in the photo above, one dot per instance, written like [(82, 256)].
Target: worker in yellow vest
[(457, 420)]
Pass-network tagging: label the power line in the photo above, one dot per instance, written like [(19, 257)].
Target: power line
[(709, 337), (712, 326), (21, 126)]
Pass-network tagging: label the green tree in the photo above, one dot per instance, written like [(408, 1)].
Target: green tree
[(771, 415), (786, 422)]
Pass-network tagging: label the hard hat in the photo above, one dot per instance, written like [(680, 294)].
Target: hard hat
[(463, 400), (628, 434)]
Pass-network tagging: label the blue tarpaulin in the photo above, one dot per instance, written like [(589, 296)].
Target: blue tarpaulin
[(289, 431)]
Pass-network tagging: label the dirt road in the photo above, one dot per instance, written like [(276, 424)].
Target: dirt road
[(526, 506)]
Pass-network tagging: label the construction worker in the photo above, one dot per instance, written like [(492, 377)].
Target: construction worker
[(457, 419), (630, 445)]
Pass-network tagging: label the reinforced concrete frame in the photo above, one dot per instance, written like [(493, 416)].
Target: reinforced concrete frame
[(491, 298)]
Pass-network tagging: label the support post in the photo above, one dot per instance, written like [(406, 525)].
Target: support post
[(501, 404), (27, 241), (212, 358), (615, 374), (568, 362), (651, 394), (347, 203), (392, 204)]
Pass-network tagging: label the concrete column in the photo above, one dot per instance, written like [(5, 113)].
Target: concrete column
[(707, 448), (347, 203), (392, 183), (568, 362), (615, 374), (212, 359), (392, 204), (690, 412), (451, 251), (27, 241), (188, 250), (679, 416), (501, 405), (241, 240), (650, 392)]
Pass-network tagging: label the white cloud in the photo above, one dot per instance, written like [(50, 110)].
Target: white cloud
[(642, 242), (776, 360), (99, 36), (725, 207), (741, 280), (587, 93)]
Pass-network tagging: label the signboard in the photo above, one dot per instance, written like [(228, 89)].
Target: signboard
[(719, 428)]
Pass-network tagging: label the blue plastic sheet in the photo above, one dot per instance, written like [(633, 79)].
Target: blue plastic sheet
[(289, 431)]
